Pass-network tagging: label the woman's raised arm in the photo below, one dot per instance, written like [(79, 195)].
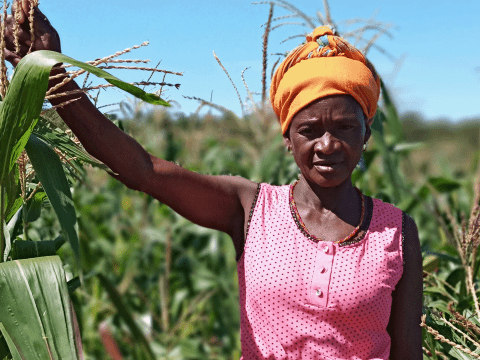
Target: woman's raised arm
[(216, 202)]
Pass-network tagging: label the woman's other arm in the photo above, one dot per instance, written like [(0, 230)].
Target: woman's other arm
[(216, 202), (404, 325)]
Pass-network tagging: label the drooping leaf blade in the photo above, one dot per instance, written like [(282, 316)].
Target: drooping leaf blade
[(23, 101), (61, 141), (49, 171), (153, 99), (36, 308)]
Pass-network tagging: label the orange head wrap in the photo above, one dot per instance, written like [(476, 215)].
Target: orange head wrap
[(325, 65)]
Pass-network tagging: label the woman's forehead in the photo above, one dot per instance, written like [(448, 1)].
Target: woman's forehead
[(338, 107)]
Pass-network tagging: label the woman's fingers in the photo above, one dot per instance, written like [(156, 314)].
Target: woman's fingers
[(12, 57), (24, 39), (23, 34), (18, 11), (46, 37)]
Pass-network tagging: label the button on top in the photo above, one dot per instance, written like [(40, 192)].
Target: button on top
[(325, 249), (322, 269), (319, 292)]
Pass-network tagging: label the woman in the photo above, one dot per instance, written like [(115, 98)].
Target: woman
[(324, 271)]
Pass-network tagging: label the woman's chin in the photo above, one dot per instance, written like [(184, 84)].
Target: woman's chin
[(327, 175)]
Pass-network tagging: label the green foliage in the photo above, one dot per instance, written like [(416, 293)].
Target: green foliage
[(35, 308), (36, 317), (52, 177), (163, 287)]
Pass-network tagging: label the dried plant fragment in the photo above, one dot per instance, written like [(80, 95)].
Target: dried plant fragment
[(3, 67), (33, 4), (226, 72)]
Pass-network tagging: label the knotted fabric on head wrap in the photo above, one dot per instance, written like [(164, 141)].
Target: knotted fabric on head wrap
[(325, 65)]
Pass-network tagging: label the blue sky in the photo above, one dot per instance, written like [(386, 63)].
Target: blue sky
[(438, 40)]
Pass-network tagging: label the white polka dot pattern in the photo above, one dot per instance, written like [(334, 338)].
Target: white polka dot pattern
[(306, 300)]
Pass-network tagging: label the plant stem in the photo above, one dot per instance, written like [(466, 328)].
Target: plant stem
[(24, 213), (2, 216), (471, 286)]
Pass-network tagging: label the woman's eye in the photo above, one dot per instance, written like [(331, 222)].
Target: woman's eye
[(306, 131)]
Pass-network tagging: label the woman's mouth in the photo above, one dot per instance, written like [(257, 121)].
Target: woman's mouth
[(326, 166)]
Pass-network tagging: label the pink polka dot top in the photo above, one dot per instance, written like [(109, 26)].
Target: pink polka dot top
[(301, 298)]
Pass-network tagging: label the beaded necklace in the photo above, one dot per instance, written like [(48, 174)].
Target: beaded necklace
[(302, 226)]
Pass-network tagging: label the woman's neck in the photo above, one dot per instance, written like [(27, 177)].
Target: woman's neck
[(340, 200)]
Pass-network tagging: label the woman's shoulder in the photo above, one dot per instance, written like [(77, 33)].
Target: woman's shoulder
[(275, 195), (385, 214), (384, 205), (273, 189)]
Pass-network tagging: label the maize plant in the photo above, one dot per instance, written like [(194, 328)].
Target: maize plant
[(37, 320)]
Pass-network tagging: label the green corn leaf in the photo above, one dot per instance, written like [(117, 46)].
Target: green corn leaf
[(50, 173), (407, 147), (17, 204), (73, 284), (123, 311), (36, 310), (443, 185), (9, 343), (12, 191), (8, 241), (61, 141), (23, 101), (430, 263), (22, 249), (378, 121), (4, 352), (34, 206)]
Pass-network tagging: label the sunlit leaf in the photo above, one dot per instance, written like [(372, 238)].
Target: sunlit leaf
[(430, 263), (35, 308), (407, 147), (8, 241), (61, 141), (23, 101)]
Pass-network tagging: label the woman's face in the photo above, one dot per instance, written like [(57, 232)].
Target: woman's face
[(326, 138)]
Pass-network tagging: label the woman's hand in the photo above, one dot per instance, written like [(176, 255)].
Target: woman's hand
[(46, 37)]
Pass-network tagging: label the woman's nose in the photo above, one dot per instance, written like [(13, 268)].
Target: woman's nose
[(327, 144)]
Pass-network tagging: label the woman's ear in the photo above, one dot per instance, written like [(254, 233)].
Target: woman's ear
[(287, 142)]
